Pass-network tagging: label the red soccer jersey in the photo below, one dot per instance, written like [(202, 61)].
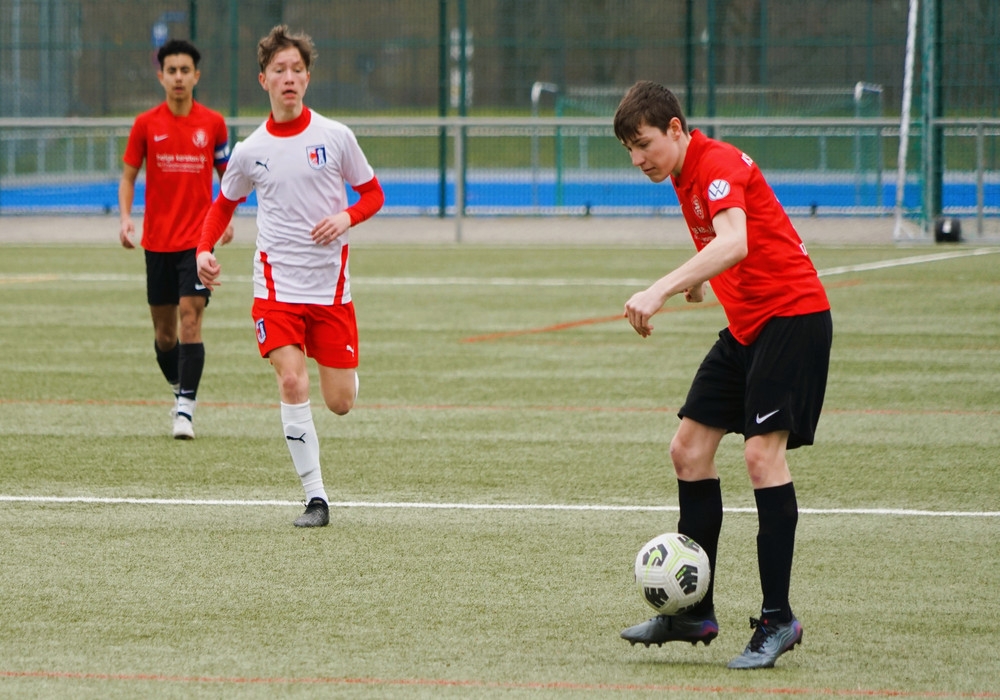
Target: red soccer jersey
[(776, 278), (180, 154)]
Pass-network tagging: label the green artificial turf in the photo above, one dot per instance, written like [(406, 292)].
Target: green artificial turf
[(506, 459)]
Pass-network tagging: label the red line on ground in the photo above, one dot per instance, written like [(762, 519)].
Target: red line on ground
[(544, 329), (609, 319), (504, 685), (575, 324)]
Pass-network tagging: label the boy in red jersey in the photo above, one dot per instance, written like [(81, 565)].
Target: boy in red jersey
[(181, 143), (299, 162), (765, 377)]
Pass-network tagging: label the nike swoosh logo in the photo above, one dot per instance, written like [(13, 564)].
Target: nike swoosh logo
[(198, 286), (761, 419), (159, 138)]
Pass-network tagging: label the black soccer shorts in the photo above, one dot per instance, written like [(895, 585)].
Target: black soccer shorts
[(778, 382), (170, 276)]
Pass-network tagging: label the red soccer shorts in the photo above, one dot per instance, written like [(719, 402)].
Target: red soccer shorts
[(328, 334)]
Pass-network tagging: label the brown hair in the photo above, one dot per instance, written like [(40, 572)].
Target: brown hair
[(647, 103), (279, 39)]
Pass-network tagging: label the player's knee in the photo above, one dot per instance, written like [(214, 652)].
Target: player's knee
[(764, 467), (293, 387), (165, 342), (190, 332), (688, 459), (341, 404)]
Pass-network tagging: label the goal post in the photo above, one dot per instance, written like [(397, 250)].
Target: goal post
[(901, 229)]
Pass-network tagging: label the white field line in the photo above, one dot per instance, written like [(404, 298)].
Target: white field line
[(403, 505), (27, 278), (504, 281), (913, 260)]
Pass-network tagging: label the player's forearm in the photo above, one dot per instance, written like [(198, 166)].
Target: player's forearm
[(728, 248), (706, 264), (216, 221), (126, 195)]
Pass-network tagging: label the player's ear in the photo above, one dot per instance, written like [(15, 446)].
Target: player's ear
[(260, 79)]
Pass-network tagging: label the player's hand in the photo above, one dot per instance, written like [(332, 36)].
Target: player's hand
[(695, 294), (227, 235), (209, 270), (640, 309), (330, 228), (127, 233)]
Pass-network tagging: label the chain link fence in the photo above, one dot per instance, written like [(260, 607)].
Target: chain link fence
[(812, 90), (727, 57)]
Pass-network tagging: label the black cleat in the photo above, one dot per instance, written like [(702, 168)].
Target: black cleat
[(317, 514), (686, 627)]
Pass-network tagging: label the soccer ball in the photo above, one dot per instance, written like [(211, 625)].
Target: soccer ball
[(672, 572)]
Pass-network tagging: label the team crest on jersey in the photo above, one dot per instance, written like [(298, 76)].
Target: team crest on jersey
[(718, 189), (200, 138), (261, 333), (317, 156), (696, 206)]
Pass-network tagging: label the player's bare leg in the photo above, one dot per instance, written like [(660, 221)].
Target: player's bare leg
[(165, 339), (339, 387)]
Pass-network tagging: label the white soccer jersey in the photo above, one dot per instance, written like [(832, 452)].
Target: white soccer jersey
[(300, 171)]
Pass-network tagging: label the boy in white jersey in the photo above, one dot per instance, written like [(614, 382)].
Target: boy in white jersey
[(299, 163)]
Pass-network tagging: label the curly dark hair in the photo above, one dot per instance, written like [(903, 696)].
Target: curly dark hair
[(175, 47)]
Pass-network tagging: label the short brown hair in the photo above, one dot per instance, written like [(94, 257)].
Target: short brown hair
[(647, 103), (279, 39)]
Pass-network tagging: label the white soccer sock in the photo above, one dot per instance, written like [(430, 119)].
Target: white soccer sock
[(303, 444), (185, 406)]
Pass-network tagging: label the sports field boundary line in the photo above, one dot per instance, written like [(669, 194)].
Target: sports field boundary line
[(417, 505), (376, 281)]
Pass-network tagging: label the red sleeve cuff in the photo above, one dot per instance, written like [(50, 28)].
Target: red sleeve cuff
[(371, 200), (216, 220)]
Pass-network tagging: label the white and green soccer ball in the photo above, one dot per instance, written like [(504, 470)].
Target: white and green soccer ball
[(672, 573)]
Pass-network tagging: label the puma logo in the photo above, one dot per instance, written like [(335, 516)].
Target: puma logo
[(301, 438)]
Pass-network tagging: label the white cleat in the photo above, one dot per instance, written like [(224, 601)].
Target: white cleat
[(183, 429)]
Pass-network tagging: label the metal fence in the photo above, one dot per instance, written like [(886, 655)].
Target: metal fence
[(97, 57), (571, 166), (385, 65)]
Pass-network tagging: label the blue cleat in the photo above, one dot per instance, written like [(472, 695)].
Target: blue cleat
[(769, 641)]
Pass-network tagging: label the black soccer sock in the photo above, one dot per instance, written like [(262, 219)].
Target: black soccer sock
[(190, 364), (168, 361), (777, 516), (701, 520)]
